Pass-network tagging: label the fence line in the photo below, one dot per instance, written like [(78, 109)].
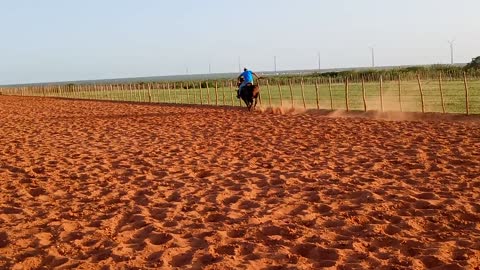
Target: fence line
[(441, 94)]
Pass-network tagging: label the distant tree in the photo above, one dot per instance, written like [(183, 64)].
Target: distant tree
[(475, 64)]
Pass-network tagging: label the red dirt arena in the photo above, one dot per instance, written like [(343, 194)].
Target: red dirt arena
[(102, 185)]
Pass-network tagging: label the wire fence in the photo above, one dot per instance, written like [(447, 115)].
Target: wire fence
[(405, 94)]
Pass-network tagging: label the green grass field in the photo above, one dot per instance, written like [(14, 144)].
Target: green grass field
[(410, 98)]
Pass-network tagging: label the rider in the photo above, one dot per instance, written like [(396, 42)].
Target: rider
[(247, 79)]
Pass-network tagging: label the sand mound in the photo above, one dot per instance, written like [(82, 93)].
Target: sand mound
[(98, 185)]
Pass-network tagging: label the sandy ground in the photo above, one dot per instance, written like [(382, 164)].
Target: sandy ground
[(98, 185)]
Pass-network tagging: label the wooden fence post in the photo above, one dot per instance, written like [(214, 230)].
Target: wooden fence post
[(216, 93), (145, 91), (155, 92), (208, 93), (130, 92), (83, 92), (364, 95), (231, 92), (141, 92), (441, 91), (280, 92), (330, 90), (159, 92), (169, 93), (136, 92), (239, 100), (111, 94), (303, 94), (149, 93), (164, 93), (119, 89), (178, 93), (316, 94), (467, 109), (291, 92), (194, 93), (421, 92), (174, 89), (116, 93), (200, 92), (135, 96), (346, 93), (121, 94), (224, 85), (133, 92), (269, 94), (259, 95), (400, 93), (381, 93)]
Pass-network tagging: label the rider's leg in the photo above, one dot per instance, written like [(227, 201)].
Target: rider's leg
[(240, 88)]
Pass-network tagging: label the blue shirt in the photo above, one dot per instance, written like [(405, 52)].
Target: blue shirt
[(247, 76)]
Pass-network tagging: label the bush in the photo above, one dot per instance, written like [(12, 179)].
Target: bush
[(475, 64)]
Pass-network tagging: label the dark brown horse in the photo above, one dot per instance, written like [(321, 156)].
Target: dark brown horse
[(250, 94)]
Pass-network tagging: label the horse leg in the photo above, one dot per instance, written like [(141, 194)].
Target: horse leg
[(246, 103), (252, 107)]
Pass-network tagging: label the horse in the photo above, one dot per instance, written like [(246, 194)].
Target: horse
[(250, 93)]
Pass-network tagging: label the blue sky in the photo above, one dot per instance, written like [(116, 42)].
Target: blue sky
[(57, 40)]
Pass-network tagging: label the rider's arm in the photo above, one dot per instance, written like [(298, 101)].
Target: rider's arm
[(239, 76), (255, 74)]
